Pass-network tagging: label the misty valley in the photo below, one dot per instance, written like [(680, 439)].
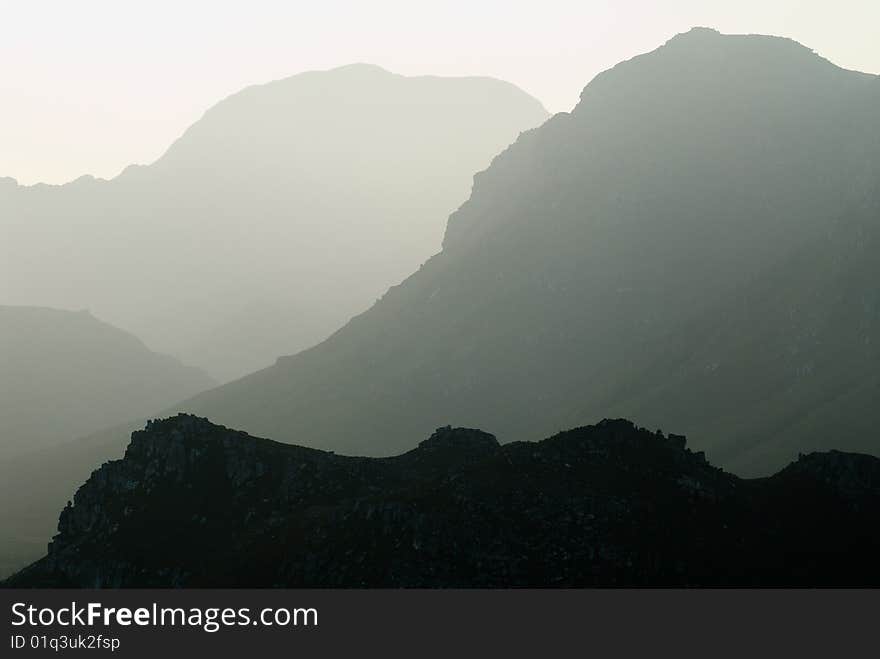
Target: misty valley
[(356, 329)]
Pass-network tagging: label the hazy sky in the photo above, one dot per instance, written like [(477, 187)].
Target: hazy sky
[(93, 85)]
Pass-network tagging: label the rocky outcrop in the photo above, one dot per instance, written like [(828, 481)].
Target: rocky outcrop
[(196, 504)]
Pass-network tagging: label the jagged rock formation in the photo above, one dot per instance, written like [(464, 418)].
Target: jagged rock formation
[(195, 504), (286, 209), (694, 246)]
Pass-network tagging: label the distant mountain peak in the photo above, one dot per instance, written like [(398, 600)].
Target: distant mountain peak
[(701, 49), (362, 67), (699, 31), (709, 35)]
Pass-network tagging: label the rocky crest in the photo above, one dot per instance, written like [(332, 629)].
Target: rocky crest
[(196, 504)]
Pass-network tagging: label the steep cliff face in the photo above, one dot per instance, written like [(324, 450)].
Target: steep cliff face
[(195, 504)]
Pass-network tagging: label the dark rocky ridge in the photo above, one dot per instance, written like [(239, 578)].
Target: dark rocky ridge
[(195, 504)]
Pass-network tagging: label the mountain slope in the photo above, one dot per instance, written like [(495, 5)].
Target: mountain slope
[(64, 374), (285, 210), (194, 504), (796, 348), (701, 204)]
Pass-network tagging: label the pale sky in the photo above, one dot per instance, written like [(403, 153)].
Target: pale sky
[(90, 86)]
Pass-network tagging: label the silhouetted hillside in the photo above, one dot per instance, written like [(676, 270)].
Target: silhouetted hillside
[(194, 504), (285, 210), (693, 246)]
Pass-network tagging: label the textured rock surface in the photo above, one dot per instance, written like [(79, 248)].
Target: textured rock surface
[(195, 504)]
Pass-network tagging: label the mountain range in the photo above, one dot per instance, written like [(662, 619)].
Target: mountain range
[(692, 247), (286, 209)]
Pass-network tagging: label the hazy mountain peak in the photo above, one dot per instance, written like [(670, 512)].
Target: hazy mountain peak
[(708, 37), (706, 56), (362, 68), (698, 31), (286, 209), (692, 97), (352, 103)]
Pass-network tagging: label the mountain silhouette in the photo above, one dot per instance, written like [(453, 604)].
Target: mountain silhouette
[(196, 505), (286, 209), (693, 246)]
